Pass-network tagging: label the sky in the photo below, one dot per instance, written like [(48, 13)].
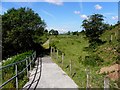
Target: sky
[(67, 16)]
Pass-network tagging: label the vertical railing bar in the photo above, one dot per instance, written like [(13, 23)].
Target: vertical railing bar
[(16, 70), (26, 66), (30, 62)]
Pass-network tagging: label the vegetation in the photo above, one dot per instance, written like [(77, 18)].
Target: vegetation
[(94, 47), (77, 50), (94, 27), (53, 32), (22, 30), (9, 72)]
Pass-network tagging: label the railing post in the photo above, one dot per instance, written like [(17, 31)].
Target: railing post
[(35, 54), (26, 66), (16, 71), (32, 57), (30, 62), (106, 83)]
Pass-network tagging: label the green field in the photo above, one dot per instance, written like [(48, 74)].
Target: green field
[(76, 49)]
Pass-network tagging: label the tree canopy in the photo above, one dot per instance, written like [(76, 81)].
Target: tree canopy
[(94, 27), (53, 32), (20, 30)]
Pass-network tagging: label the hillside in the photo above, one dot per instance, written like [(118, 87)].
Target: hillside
[(76, 50)]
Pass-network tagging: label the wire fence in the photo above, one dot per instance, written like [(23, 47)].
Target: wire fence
[(92, 80)]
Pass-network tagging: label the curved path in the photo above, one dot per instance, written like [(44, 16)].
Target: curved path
[(52, 76)]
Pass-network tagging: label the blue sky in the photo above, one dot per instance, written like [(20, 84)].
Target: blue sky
[(67, 16)]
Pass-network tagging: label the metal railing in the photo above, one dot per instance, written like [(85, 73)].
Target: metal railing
[(31, 58)]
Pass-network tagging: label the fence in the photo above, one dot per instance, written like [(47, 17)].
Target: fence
[(105, 82), (29, 59)]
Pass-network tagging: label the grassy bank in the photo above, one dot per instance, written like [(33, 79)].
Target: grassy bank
[(76, 50)]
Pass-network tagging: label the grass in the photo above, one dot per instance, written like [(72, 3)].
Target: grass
[(9, 72), (46, 45), (74, 49)]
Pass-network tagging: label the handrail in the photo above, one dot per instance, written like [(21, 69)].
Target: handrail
[(15, 62), (34, 56)]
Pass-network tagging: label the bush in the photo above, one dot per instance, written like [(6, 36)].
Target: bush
[(92, 60)]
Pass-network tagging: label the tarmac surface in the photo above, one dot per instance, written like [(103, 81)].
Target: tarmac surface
[(49, 75)]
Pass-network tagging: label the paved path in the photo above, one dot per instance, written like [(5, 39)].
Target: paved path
[(52, 76)]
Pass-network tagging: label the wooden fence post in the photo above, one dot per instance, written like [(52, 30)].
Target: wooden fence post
[(16, 71), (87, 73), (26, 66), (51, 51), (62, 58), (106, 83), (70, 67), (57, 53)]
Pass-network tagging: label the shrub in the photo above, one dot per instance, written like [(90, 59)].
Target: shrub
[(92, 60)]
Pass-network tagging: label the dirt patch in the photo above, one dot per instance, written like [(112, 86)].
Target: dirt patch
[(113, 71)]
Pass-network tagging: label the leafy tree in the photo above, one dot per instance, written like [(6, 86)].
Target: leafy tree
[(68, 33), (53, 32), (94, 27), (75, 33), (19, 27)]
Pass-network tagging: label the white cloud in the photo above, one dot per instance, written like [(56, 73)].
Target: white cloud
[(115, 17), (56, 2), (84, 16), (98, 7), (76, 12)]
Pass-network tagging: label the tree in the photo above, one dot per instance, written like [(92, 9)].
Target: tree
[(94, 27), (53, 32), (19, 26), (75, 33), (68, 33)]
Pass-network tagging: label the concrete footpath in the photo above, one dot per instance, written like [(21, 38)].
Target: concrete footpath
[(52, 76)]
